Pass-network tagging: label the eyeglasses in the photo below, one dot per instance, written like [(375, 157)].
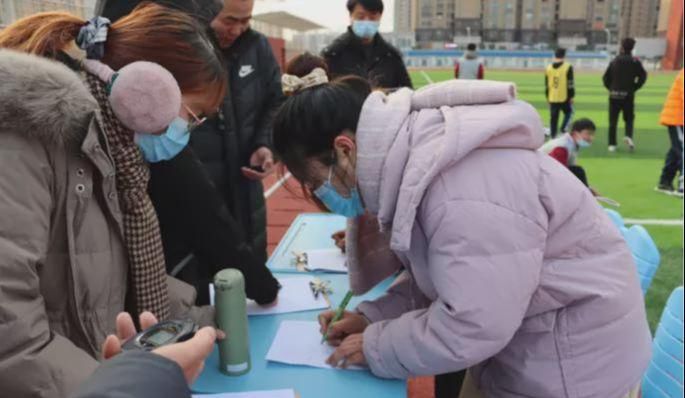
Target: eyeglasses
[(196, 122)]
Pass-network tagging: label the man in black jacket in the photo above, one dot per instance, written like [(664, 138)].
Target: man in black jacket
[(362, 51), (235, 147), (623, 78)]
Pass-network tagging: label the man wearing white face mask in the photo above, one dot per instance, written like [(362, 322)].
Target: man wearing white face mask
[(361, 51)]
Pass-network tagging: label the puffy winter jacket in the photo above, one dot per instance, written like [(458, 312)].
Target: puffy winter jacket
[(511, 268)]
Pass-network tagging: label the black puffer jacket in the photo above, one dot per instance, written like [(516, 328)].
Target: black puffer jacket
[(624, 76), (225, 143), (194, 220), (380, 63)]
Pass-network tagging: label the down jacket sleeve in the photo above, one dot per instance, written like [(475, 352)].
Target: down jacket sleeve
[(484, 276), (402, 297), (34, 361)]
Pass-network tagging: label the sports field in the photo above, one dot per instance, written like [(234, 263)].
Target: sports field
[(629, 178)]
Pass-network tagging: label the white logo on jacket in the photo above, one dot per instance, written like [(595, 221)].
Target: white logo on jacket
[(245, 71)]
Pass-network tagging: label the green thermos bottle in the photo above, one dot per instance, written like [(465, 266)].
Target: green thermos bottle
[(231, 317)]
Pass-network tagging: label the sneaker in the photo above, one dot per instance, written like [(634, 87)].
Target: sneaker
[(679, 193), (629, 141), (612, 148), (665, 188)]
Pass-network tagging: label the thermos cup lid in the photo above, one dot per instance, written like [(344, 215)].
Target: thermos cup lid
[(229, 278)]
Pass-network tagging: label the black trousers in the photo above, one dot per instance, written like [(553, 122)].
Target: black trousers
[(627, 107), (554, 110), (674, 158), (449, 385)]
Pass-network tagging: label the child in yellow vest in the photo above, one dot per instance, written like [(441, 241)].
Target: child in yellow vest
[(559, 90)]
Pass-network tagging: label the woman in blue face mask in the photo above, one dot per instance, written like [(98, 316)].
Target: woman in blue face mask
[(507, 265), (79, 237), (165, 146)]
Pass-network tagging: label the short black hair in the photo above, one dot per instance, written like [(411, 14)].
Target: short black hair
[(471, 47), (628, 44), (560, 53), (583, 124), (369, 5)]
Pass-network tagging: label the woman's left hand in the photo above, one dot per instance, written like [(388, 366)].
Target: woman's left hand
[(349, 353)]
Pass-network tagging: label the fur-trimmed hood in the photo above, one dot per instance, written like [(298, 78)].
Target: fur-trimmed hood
[(43, 99)]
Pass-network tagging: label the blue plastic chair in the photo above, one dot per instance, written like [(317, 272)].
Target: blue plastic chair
[(664, 377), (615, 217), (642, 246), (645, 253)]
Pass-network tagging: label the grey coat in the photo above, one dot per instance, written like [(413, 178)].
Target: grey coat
[(62, 258), (136, 374)]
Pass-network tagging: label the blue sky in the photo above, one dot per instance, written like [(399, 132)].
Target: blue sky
[(330, 13)]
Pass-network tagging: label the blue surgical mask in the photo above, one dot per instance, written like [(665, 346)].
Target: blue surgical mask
[(157, 148), (583, 144), (365, 29), (350, 207)]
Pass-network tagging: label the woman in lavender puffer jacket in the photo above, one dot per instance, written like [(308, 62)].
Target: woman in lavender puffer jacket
[(508, 266)]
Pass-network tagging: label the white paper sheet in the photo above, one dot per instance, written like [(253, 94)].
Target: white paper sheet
[(253, 394), (332, 260), (295, 296), (299, 343)]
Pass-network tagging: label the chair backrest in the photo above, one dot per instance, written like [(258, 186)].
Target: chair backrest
[(645, 253), (664, 377)]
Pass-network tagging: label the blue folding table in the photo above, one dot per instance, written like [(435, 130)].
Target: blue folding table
[(308, 231)]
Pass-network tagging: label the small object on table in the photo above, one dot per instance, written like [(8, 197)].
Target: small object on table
[(300, 261), (322, 288)]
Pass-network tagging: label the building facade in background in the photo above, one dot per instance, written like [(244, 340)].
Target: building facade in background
[(530, 24), (403, 16), (11, 10), (640, 18)]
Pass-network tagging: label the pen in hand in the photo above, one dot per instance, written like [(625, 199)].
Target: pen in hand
[(338, 314)]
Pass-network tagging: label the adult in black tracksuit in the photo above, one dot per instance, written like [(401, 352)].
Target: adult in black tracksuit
[(240, 136), (194, 215), (623, 78), (363, 52)]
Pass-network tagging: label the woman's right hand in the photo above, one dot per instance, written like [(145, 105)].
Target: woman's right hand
[(350, 323)]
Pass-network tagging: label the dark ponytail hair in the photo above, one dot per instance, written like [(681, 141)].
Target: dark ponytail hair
[(309, 121)]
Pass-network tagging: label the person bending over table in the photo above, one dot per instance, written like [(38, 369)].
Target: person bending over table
[(509, 267)]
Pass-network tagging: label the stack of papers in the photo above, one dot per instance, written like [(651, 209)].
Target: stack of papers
[(328, 260), (299, 343)]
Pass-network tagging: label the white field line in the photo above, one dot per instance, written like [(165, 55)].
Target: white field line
[(428, 78), (276, 186), (666, 223)]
